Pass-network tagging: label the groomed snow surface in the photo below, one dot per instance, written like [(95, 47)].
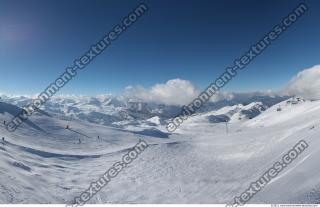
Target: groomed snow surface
[(42, 162)]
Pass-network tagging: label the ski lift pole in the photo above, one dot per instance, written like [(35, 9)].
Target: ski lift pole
[(227, 129), (68, 128)]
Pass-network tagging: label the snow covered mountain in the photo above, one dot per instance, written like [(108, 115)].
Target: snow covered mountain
[(108, 110)]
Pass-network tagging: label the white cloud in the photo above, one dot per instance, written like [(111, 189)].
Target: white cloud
[(173, 92), (306, 84), (181, 92)]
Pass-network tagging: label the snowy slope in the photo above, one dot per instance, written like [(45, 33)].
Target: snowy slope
[(199, 163), (50, 166)]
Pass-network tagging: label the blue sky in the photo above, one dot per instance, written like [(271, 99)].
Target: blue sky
[(190, 40)]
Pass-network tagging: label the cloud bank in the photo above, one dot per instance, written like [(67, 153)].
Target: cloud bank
[(181, 92), (173, 92), (306, 84)]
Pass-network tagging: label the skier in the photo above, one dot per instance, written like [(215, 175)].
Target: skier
[(79, 141), (67, 127), (3, 140), (98, 137)]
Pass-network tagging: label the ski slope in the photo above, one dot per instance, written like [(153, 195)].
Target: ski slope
[(43, 162)]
